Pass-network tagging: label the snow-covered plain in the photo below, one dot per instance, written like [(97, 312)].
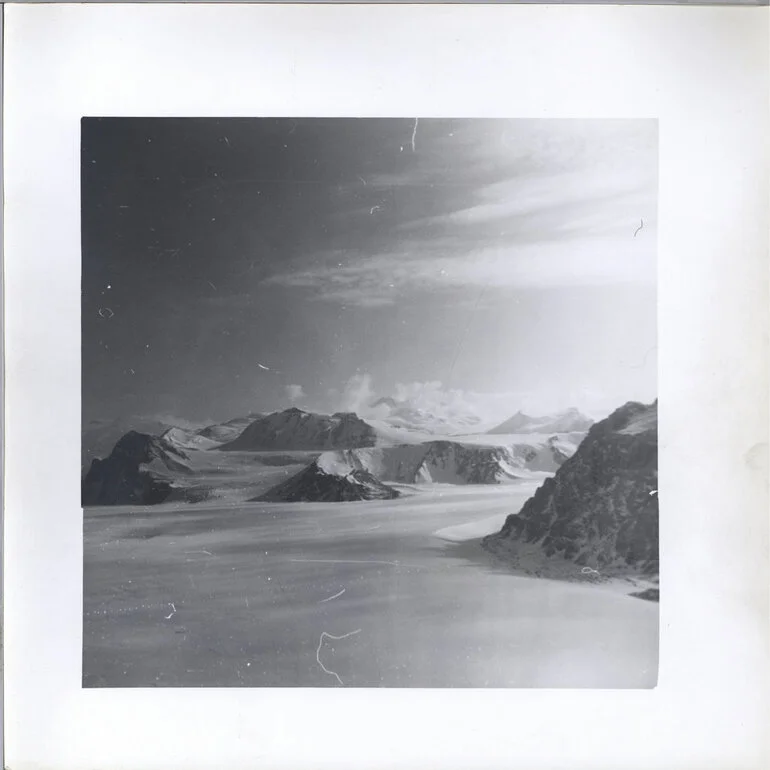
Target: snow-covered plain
[(394, 593)]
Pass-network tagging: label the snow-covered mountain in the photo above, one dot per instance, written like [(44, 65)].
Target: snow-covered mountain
[(180, 464), (140, 469), (453, 462), (406, 416), (188, 439), (570, 421), (230, 430), (296, 429), (327, 481), (600, 510)]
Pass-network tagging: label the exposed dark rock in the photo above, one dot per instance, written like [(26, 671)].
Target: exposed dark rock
[(601, 507), (316, 485), (139, 471), (650, 594)]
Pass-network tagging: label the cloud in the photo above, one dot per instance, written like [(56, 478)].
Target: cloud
[(575, 202), (490, 204), (382, 279), (295, 393), (564, 216), (357, 395)]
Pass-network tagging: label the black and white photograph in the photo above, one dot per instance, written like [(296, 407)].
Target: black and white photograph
[(369, 402)]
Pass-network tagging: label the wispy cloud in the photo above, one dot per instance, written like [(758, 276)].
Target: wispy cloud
[(498, 206), (381, 280)]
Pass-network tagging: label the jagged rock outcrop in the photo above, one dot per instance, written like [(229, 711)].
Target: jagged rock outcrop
[(139, 470), (600, 510), (321, 482), (296, 429)]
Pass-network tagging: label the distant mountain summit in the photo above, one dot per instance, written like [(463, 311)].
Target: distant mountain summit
[(407, 416), (600, 509), (296, 429), (570, 421)]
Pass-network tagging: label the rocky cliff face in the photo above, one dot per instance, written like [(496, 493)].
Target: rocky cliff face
[(600, 510), (139, 470), (295, 429), (451, 462)]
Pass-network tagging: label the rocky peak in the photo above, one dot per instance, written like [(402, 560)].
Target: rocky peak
[(601, 507)]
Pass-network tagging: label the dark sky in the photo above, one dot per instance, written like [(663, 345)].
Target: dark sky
[(239, 265)]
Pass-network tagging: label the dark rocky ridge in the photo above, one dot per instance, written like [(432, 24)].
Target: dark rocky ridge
[(124, 477), (600, 509), (313, 484)]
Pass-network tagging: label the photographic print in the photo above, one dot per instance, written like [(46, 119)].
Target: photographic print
[(369, 402)]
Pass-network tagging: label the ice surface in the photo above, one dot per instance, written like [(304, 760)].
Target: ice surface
[(252, 587)]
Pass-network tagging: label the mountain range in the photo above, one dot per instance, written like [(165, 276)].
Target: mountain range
[(596, 510), (254, 457)]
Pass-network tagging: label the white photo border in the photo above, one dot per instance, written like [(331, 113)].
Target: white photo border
[(701, 72)]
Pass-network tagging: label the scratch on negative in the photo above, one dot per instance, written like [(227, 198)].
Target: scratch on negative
[(320, 644), (414, 133), (173, 611), (329, 598)]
